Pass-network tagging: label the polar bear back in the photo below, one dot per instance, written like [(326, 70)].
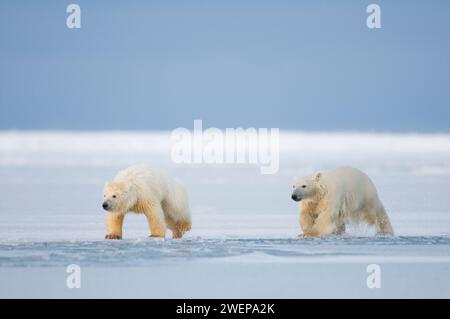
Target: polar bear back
[(150, 182), (352, 189)]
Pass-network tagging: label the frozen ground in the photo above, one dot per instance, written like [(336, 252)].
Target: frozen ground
[(243, 242)]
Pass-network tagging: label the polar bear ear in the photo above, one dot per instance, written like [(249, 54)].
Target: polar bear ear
[(126, 187), (317, 177)]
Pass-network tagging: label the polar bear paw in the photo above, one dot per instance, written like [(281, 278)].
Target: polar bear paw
[(112, 236), (156, 236)]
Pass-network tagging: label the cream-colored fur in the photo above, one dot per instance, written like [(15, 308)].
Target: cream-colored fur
[(147, 190), (330, 200)]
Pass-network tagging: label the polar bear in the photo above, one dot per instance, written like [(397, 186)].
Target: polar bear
[(144, 189), (330, 200)]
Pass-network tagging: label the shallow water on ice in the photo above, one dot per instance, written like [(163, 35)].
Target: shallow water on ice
[(149, 251)]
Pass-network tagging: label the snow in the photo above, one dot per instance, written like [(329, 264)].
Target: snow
[(244, 223)]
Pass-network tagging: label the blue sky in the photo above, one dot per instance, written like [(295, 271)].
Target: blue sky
[(157, 65)]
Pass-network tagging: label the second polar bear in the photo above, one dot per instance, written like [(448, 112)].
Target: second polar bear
[(145, 189), (329, 200)]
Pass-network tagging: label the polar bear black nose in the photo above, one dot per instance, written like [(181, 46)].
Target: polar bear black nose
[(294, 197), (105, 205)]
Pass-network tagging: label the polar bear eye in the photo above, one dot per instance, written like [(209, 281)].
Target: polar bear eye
[(303, 186), (114, 196)]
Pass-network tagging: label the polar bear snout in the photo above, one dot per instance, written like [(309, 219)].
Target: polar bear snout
[(105, 205), (295, 196)]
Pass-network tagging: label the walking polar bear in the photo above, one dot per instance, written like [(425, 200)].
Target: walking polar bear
[(144, 189), (330, 200)]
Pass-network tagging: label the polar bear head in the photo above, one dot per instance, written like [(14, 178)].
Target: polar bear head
[(118, 197), (307, 188)]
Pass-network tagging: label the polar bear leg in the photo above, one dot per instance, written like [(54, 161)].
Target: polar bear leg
[(340, 229), (155, 219), (114, 224), (178, 228), (183, 226), (324, 225), (306, 222), (176, 223), (383, 223), (176, 233)]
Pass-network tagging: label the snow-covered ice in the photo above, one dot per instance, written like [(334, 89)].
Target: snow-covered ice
[(243, 242)]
